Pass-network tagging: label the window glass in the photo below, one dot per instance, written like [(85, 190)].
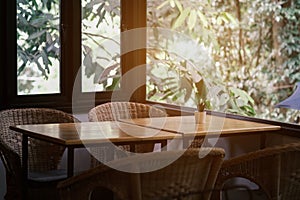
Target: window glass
[(38, 47), (100, 45), (243, 51)]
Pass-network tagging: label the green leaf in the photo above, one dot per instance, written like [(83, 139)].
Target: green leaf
[(105, 74), (224, 98), (249, 110), (201, 90), (179, 5), (233, 111), (203, 19), (172, 3), (188, 93), (21, 68), (167, 94), (36, 35), (115, 84), (101, 18), (35, 4), (22, 20), (98, 71), (38, 22), (151, 93), (162, 5), (41, 69), (89, 67), (185, 83), (179, 21), (224, 17), (230, 18), (45, 58), (48, 5), (240, 102), (177, 96), (242, 94), (192, 19)]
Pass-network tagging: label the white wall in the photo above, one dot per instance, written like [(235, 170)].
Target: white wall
[(82, 117)]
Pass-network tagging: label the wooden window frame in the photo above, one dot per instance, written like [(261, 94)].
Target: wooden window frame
[(132, 17)]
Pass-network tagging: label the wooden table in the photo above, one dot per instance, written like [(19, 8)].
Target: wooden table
[(85, 134), (213, 128), (134, 131)]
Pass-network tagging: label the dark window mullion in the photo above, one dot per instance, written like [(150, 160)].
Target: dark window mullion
[(9, 69), (70, 45)]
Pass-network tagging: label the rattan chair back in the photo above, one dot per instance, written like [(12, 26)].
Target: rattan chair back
[(276, 170), (113, 111), (42, 156), (188, 177)]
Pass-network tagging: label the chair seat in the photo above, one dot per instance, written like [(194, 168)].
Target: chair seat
[(43, 185), (48, 176)]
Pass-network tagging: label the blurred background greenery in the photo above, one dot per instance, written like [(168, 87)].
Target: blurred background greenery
[(246, 51)]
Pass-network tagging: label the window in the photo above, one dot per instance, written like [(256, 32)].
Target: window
[(100, 45), (66, 49), (39, 42), (245, 51), (38, 47)]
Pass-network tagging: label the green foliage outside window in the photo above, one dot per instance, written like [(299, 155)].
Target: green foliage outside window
[(250, 51), (38, 39), (253, 45)]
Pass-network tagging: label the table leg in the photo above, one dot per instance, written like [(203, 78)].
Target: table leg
[(263, 139), (185, 141), (24, 165), (70, 167), (132, 147), (163, 144)]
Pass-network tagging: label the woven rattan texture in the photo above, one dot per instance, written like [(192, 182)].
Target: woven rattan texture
[(42, 156), (188, 177), (123, 110), (275, 169), (113, 111)]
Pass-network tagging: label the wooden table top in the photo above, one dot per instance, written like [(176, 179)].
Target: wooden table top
[(140, 129), (214, 125), (92, 133)]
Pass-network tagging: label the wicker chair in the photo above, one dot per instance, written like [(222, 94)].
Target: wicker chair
[(43, 158), (187, 177), (113, 111), (276, 170)]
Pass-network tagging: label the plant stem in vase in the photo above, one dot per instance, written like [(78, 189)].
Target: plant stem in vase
[(200, 117)]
